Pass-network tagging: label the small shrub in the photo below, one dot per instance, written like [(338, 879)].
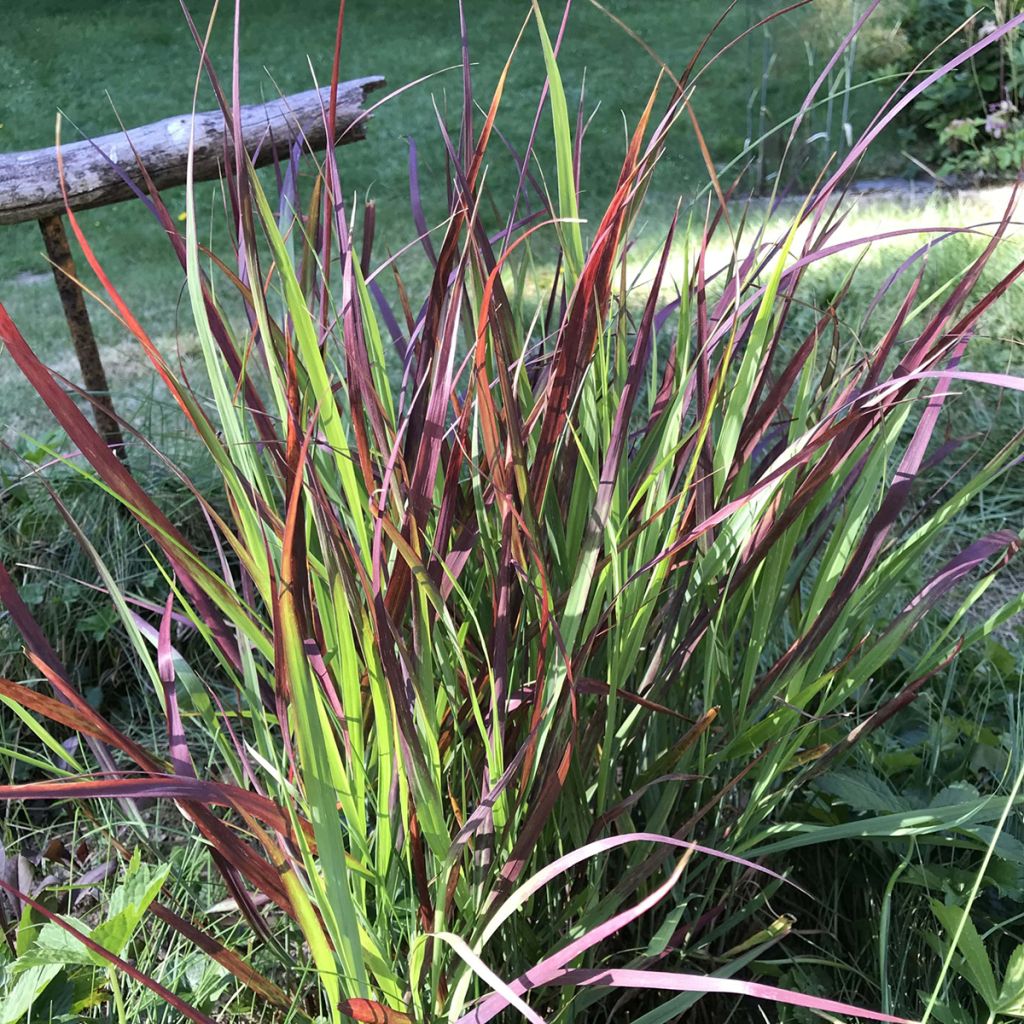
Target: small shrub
[(970, 125)]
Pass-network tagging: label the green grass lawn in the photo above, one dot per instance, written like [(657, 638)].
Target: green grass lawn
[(89, 58)]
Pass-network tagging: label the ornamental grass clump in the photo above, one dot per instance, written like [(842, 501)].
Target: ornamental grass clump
[(539, 595)]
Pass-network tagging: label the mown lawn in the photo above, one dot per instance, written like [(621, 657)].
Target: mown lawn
[(90, 58)]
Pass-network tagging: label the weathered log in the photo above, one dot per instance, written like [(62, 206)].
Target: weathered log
[(30, 185)]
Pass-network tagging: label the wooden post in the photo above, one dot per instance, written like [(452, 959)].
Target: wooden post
[(71, 298)]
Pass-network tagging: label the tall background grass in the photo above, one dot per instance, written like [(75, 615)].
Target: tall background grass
[(575, 625)]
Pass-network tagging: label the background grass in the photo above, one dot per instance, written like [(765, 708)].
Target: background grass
[(90, 58)]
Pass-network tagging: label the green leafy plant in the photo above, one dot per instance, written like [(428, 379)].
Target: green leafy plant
[(56, 965), (970, 123), (536, 602)]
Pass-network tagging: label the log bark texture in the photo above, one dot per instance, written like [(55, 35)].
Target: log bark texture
[(93, 168)]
